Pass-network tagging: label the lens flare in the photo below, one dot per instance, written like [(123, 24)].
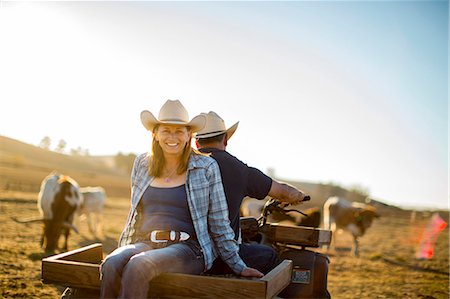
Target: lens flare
[(430, 236)]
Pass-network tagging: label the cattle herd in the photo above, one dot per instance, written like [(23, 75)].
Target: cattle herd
[(61, 201)]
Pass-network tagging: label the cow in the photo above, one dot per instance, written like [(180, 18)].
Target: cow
[(58, 200), (313, 218), (92, 207), (356, 218)]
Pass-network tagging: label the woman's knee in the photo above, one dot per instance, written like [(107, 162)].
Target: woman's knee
[(117, 259), (141, 266), (112, 264)]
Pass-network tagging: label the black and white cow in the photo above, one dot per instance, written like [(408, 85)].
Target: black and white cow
[(58, 200)]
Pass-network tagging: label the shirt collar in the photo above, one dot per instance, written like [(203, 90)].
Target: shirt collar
[(210, 150)]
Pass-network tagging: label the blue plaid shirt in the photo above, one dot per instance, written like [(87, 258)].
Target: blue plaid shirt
[(207, 204)]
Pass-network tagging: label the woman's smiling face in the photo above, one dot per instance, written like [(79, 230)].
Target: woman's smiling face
[(172, 138)]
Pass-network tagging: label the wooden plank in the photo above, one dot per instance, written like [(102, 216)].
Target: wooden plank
[(87, 254), (278, 278), (176, 285), (69, 273), (298, 235)]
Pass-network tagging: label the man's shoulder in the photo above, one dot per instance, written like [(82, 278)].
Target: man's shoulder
[(228, 158), (218, 153)]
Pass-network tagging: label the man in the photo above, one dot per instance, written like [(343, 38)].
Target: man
[(239, 181)]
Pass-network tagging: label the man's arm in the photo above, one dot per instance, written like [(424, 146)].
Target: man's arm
[(286, 193)]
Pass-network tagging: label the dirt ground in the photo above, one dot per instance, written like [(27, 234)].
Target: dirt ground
[(386, 268)]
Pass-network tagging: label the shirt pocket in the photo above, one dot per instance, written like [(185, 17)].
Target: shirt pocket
[(199, 185)]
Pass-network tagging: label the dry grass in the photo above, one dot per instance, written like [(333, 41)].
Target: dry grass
[(386, 268), (20, 253)]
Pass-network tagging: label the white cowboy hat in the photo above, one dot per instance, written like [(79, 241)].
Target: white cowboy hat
[(172, 113), (215, 126)]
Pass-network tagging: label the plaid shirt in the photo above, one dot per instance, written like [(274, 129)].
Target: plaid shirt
[(207, 204)]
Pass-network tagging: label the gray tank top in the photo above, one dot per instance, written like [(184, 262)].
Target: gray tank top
[(166, 209)]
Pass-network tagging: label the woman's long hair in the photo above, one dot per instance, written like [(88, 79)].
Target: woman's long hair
[(157, 160)]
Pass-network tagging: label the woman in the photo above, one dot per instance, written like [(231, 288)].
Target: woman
[(178, 220)]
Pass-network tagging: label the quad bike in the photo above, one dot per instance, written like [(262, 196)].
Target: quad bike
[(301, 274)]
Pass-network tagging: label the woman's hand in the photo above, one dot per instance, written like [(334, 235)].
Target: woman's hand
[(250, 272)]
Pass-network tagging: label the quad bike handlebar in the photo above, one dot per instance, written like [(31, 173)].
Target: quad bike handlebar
[(274, 205)]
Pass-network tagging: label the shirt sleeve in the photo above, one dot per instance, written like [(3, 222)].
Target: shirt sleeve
[(219, 223), (258, 184), (134, 171), (125, 237)]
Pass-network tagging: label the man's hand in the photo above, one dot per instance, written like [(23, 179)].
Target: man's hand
[(250, 272), (286, 193)]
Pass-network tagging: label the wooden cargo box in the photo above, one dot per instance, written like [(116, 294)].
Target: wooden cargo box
[(80, 268)]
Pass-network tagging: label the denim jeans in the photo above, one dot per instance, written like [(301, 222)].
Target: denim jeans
[(261, 257), (127, 271)]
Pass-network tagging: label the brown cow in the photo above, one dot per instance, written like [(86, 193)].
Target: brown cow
[(356, 218), (312, 218)]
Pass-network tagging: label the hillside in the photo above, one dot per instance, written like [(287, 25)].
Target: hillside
[(23, 166)]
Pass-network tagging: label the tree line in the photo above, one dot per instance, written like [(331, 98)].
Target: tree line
[(61, 146), (121, 161)]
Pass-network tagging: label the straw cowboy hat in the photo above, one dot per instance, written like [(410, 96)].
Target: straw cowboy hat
[(215, 126), (172, 113)]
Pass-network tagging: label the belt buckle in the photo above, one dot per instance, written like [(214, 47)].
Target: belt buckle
[(172, 236), (153, 237)]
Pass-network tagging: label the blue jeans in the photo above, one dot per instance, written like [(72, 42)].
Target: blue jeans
[(127, 271), (261, 257)]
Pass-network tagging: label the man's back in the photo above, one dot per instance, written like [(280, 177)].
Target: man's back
[(239, 181)]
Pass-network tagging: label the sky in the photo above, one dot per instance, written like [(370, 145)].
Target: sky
[(353, 93)]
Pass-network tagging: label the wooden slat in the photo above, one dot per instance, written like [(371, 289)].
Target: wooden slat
[(278, 278), (69, 273), (298, 235), (88, 254), (195, 286)]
